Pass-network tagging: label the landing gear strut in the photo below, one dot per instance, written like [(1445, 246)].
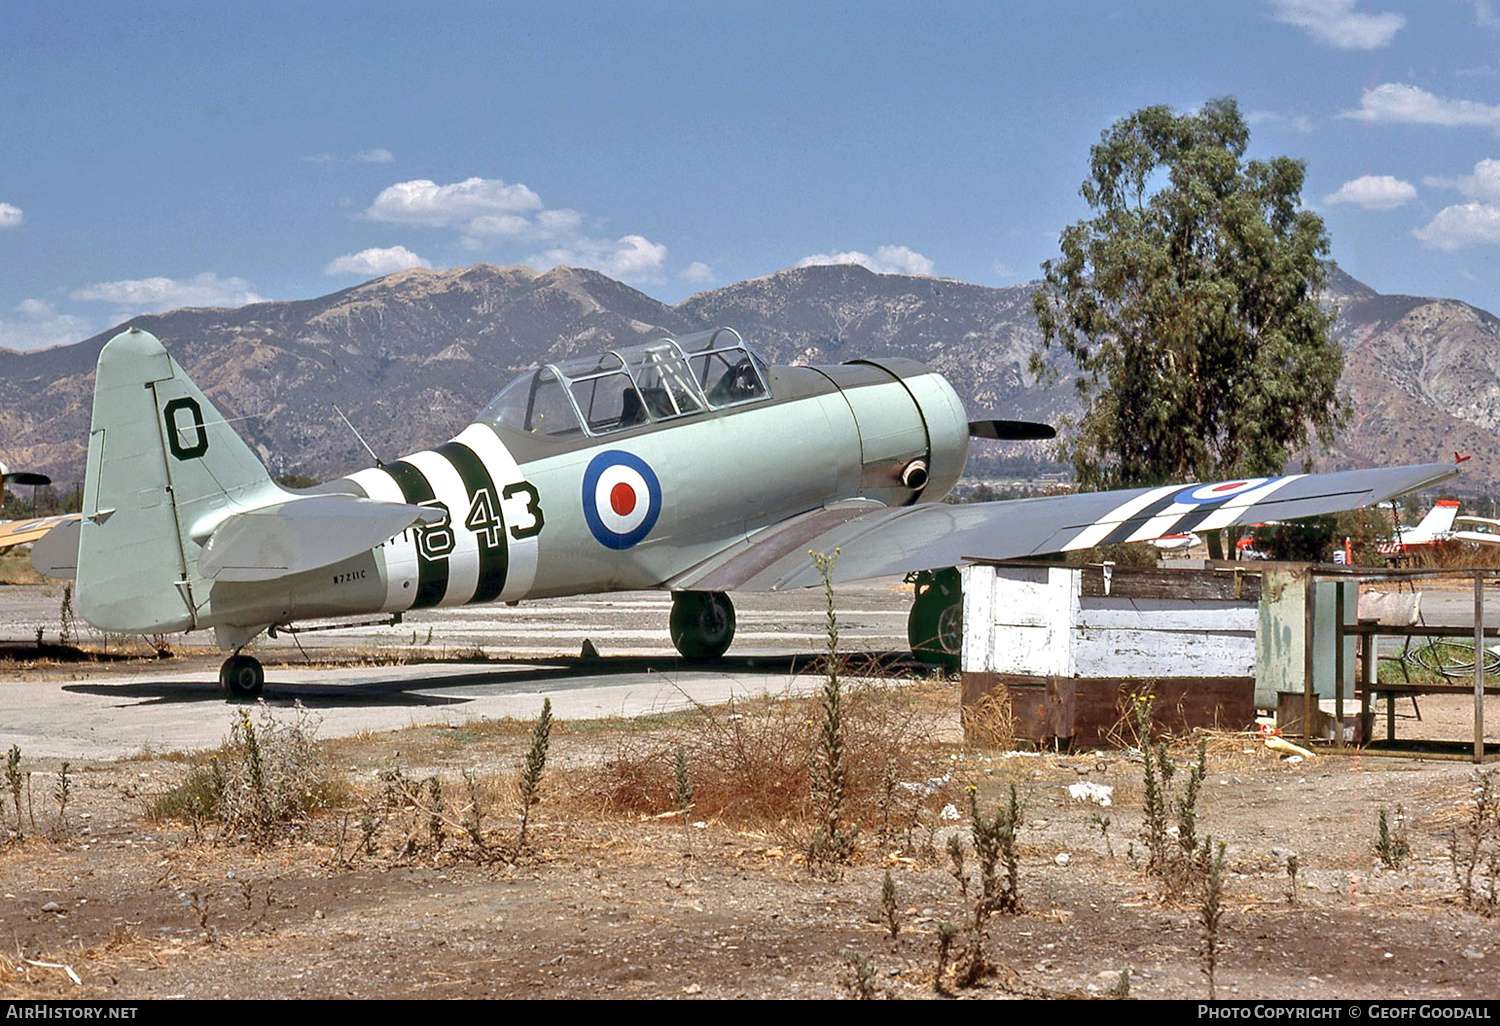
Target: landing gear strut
[(702, 624), (241, 676), (935, 627)]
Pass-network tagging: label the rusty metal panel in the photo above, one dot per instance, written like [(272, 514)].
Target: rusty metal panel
[(1091, 713)]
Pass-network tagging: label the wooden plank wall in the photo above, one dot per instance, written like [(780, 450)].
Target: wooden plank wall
[(1100, 712)]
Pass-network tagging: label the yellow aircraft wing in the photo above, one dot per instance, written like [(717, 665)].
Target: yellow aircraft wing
[(19, 532)]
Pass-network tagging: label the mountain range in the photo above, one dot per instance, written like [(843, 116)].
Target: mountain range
[(412, 356)]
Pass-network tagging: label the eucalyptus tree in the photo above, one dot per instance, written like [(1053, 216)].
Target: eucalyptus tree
[(1189, 304)]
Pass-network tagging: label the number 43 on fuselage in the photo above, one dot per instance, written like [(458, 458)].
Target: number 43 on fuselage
[(684, 464)]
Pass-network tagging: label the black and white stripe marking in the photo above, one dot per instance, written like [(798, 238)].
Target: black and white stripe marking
[(1160, 512), (486, 550)]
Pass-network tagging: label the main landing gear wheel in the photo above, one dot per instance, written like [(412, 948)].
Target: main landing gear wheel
[(935, 627), (702, 624), (241, 676)]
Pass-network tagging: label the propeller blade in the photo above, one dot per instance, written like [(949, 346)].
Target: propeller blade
[(1011, 430), (26, 477)]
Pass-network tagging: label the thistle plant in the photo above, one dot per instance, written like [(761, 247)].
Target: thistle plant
[(833, 840), (1211, 911), (528, 787), (682, 795), (13, 779), (888, 907)]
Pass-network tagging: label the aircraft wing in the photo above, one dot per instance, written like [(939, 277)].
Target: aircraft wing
[(883, 541), (19, 532)]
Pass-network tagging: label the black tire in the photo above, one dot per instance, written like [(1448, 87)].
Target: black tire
[(935, 627), (241, 676), (702, 624)]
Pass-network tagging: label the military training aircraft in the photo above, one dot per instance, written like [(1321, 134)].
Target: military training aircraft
[(686, 464), (19, 532)]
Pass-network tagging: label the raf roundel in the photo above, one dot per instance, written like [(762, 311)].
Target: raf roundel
[(621, 499), (1210, 493)]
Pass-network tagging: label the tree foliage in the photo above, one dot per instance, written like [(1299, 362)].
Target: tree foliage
[(1189, 304)]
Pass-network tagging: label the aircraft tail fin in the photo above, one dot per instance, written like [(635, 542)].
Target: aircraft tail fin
[(163, 469), (1437, 523), (1432, 528)]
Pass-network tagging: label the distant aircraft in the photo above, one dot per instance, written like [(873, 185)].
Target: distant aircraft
[(683, 464), (1430, 531), (19, 532), (1475, 531), (1177, 542)]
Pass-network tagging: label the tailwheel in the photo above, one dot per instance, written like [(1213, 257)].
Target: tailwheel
[(702, 624), (241, 676), (935, 627)]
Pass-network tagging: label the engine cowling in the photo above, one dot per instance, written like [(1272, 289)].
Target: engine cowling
[(914, 439)]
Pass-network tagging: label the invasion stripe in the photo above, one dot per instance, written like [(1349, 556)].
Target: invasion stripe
[(521, 553), (1096, 532), (494, 558), (1167, 521), (400, 551), (1139, 519), (432, 572)]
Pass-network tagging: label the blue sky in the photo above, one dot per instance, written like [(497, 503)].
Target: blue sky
[(155, 155)]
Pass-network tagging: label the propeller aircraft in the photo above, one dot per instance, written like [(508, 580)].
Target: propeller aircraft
[(20, 532), (686, 464)]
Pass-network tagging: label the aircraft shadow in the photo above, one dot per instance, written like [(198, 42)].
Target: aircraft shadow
[(498, 677)]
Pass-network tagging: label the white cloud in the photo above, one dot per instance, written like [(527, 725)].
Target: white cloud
[(699, 272), (1484, 183), (371, 263), (424, 202), (1485, 15), (148, 295), (39, 325), (1374, 192), (887, 260), (632, 259), (1003, 271), (10, 215), (488, 212), (379, 155), (1338, 24), (1394, 103), (1457, 227)]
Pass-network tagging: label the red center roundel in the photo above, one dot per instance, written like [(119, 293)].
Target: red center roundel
[(622, 499), (1195, 495)]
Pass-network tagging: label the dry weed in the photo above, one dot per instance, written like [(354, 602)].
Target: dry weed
[(750, 766), (990, 723)]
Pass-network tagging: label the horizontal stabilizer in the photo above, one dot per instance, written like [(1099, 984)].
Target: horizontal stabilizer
[(303, 534), (1011, 430), (55, 554)]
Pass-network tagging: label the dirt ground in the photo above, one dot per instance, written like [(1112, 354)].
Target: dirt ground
[(618, 898)]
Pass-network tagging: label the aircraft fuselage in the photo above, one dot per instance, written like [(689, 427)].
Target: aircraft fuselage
[(528, 516)]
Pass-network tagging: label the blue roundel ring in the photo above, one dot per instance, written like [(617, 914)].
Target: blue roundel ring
[(1207, 494), (621, 499)]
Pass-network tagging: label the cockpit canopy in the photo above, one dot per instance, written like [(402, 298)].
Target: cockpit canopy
[(632, 386)]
